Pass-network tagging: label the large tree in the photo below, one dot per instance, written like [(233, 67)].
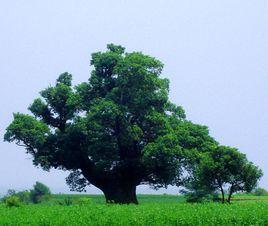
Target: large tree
[(116, 131)]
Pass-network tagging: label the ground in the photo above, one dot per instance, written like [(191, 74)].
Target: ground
[(153, 210)]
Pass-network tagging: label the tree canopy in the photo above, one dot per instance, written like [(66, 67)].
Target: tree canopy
[(115, 131), (224, 169)]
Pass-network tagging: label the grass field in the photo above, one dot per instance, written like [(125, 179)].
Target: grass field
[(153, 210)]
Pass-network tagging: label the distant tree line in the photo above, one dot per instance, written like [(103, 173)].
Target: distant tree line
[(39, 193)]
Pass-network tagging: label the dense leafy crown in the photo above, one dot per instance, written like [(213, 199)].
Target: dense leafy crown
[(227, 167), (118, 124)]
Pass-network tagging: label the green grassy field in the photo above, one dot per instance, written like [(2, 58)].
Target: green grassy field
[(153, 210)]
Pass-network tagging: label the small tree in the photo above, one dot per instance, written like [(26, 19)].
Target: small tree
[(39, 193), (224, 168)]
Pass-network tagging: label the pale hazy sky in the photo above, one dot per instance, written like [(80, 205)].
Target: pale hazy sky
[(215, 55)]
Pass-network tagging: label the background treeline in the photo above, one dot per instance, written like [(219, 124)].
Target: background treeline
[(41, 194)]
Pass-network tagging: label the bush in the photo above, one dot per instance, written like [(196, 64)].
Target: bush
[(39, 193), (82, 201), (197, 196), (12, 201), (66, 202), (260, 192), (23, 196), (200, 195)]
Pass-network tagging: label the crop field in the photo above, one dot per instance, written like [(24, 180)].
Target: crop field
[(153, 210)]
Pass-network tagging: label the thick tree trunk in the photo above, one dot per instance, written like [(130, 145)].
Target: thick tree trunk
[(120, 194), (117, 189)]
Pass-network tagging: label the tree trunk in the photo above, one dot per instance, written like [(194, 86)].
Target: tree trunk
[(230, 194), (229, 198), (222, 194), (120, 194), (121, 190)]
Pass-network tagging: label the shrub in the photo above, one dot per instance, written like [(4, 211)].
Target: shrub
[(23, 196), (197, 196), (68, 201), (260, 192), (12, 201), (39, 193), (82, 201)]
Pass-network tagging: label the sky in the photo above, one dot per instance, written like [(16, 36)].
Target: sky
[(215, 55)]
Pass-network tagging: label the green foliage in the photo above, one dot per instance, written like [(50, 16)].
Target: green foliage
[(224, 168), (260, 192), (39, 193), (27, 130), (199, 195), (153, 213), (83, 201), (68, 201), (119, 130), (12, 201), (100, 199), (108, 131), (23, 196)]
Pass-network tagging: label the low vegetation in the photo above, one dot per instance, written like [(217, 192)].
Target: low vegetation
[(38, 194), (153, 210), (260, 192)]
